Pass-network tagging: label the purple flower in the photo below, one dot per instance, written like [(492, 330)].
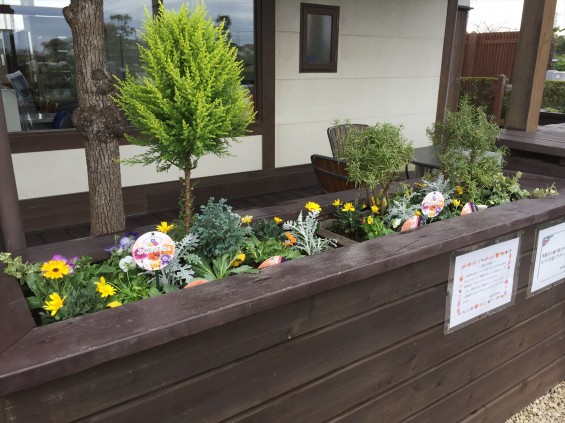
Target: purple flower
[(58, 257), (112, 248), (166, 259), (125, 241), (132, 235)]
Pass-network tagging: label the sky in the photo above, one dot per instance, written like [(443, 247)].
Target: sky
[(503, 15)]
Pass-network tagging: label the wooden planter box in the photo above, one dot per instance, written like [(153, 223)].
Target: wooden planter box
[(354, 334)]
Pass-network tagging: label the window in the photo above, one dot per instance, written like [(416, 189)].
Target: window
[(318, 37), (37, 67)]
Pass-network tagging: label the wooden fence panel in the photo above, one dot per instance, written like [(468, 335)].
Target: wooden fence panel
[(490, 54)]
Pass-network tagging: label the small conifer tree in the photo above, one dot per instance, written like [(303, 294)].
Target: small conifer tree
[(189, 100)]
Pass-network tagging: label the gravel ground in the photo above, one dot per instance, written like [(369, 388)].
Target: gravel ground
[(550, 408)]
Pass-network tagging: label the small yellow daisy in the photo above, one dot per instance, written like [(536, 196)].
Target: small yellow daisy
[(337, 203), (246, 219), (313, 207), (348, 207), (165, 227), (277, 220)]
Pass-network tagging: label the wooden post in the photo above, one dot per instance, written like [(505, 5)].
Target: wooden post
[(457, 58), (530, 66), (11, 230), (446, 61)]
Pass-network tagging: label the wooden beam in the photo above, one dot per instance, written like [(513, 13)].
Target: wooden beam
[(11, 230), (457, 57), (448, 41), (530, 66)]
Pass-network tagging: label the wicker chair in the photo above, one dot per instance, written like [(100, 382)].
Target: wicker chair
[(331, 174), (336, 133)]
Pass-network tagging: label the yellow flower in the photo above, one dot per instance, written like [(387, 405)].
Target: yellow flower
[(55, 269), (114, 304), (165, 227), (240, 258), (246, 219), (456, 203), (337, 203), (364, 206), (55, 304), (417, 213), (104, 288), (311, 206), (370, 220), (348, 207), (277, 220), (459, 189), (375, 209)]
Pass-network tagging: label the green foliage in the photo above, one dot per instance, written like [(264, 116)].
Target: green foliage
[(219, 230), (304, 230), (374, 227), (554, 95), (503, 189), (544, 192), (559, 45), (16, 267), (222, 267), (258, 250), (348, 220), (267, 228), (469, 155), (479, 91), (189, 101), (374, 157)]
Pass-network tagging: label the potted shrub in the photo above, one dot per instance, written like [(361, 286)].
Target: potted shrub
[(190, 100)]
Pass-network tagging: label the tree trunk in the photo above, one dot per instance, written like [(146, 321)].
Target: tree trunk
[(187, 199), (97, 118)]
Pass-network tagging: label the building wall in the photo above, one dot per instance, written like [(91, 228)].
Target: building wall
[(389, 63), (388, 70), (64, 172)]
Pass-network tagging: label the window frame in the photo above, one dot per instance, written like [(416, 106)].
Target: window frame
[(68, 139), (318, 9)]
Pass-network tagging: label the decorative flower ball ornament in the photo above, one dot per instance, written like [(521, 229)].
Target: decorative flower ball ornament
[(469, 208), (153, 250), (411, 223), (272, 261), (433, 204)]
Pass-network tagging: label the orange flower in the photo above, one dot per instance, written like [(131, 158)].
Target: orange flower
[(291, 239)]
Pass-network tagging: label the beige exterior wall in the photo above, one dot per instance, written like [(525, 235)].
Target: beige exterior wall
[(388, 70), (389, 60), (64, 172)]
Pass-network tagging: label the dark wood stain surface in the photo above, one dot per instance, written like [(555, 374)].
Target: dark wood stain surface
[(353, 334)]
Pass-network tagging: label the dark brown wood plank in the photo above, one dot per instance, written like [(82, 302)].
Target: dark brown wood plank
[(478, 392), (273, 371), (403, 401), (364, 379), (17, 320), (527, 391), (190, 357)]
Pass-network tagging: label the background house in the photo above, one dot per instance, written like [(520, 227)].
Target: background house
[(388, 69)]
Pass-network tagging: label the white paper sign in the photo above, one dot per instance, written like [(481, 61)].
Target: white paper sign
[(549, 266), (483, 280)]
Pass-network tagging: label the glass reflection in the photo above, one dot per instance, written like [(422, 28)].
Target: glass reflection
[(37, 66)]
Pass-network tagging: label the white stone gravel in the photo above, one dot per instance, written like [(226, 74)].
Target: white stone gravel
[(550, 408)]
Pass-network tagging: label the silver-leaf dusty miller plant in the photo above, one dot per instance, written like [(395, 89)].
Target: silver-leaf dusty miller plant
[(304, 230), (179, 270), (439, 184)]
